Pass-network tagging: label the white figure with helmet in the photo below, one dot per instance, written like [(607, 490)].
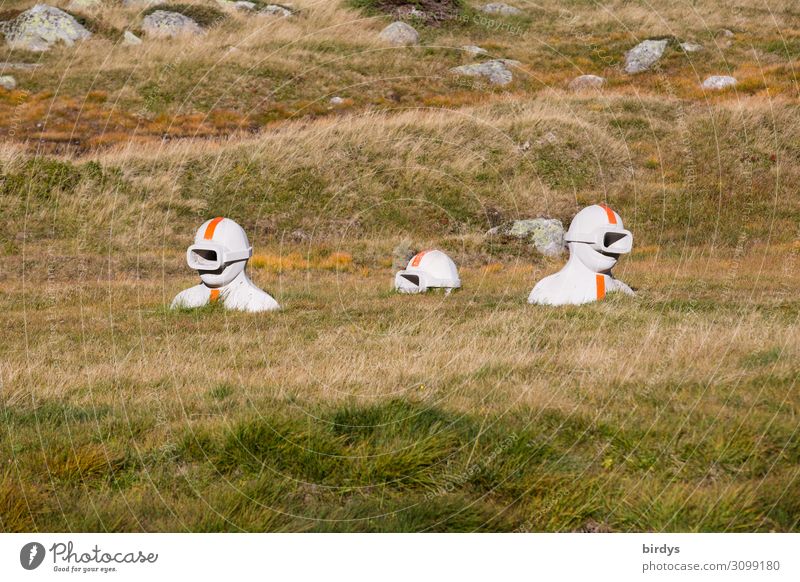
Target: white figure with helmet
[(219, 254), (596, 239), (428, 270)]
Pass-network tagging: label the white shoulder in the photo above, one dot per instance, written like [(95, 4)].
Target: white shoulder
[(542, 293), (261, 301), (245, 296), (620, 286), (196, 296)]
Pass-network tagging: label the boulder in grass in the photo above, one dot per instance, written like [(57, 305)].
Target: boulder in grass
[(644, 55), (84, 5), (131, 39), (717, 82), (500, 8), (691, 47), (474, 50), (164, 24), (276, 10), (586, 83), (400, 34), (495, 71), (39, 28), (8, 82), (545, 234)]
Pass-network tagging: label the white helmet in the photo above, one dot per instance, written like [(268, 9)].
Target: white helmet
[(426, 270), (220, 251), (597, 238)]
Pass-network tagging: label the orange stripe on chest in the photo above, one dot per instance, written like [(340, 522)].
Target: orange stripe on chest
[(600, 282), (212, 226), (612, 219)]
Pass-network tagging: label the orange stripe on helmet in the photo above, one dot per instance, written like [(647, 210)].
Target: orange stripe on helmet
[(612, 218), (214, 296), (212, 226), (416, 260), (600, 282)]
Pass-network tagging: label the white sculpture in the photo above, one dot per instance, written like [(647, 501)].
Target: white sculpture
[(219, 254), (428, 270), (595, 239)]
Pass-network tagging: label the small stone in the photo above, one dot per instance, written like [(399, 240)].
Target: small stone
[(165, 24), (587, 82), (244, 6), (84, 5), (336, 100), (400, 34), (495, 71), (644, 55), (474, 50), (716, 82), (402, 254), (500, 8), (299, 235), (691, 47), (131, 39), (276, 10), (725, 38), (8, 82)]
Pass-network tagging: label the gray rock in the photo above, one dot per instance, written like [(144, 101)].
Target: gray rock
[(42, 26), (725, 38), (495, 71), (276, 10), (402, 254), (19, 66), (587, 82), (691, 47), (474, 50), (400, 34), (140, 3), (164, 24), (336, 100), (131, 39), (716, 82), (644, 55), (500, 8), (84, 5), (8, 82), (244, 6), (545, 234)]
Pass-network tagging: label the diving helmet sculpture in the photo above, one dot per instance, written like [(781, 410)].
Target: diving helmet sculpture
[(596, 239), (219, 254), (428, 270)]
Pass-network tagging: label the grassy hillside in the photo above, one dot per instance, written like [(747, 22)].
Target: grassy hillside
[(355, 409)]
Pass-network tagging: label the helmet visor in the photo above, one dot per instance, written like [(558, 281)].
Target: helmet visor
[(205, 257), (409, 282), (615, 241)]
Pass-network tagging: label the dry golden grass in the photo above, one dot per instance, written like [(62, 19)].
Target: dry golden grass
[(249, 72), (689, 391)]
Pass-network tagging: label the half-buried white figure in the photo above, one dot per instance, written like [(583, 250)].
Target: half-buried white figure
[(428, 270), (219, 254), (595, 239)]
